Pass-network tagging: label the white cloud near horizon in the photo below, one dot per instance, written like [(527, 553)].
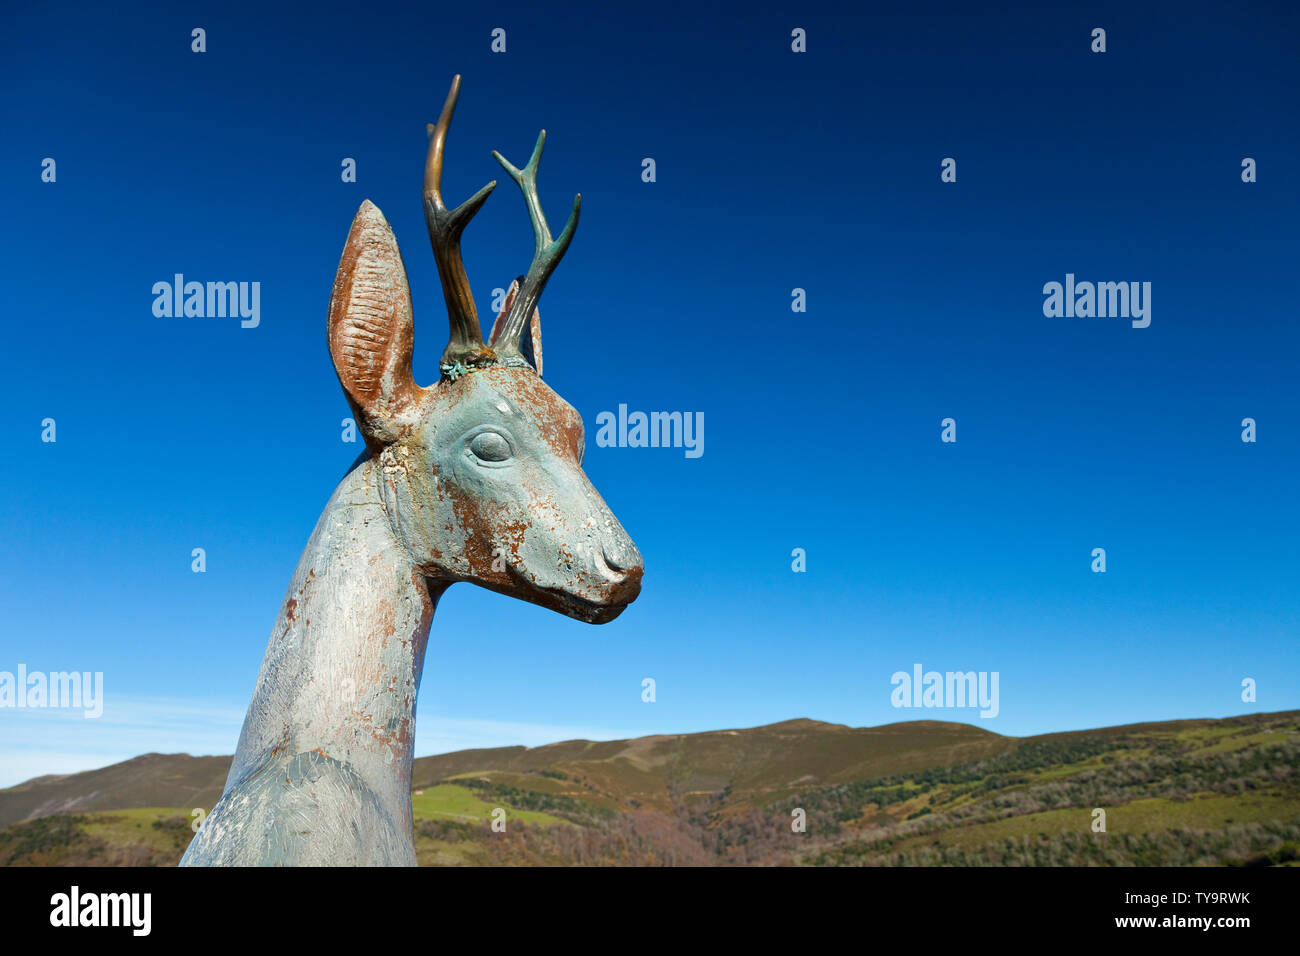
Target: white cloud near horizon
[(37, 742)]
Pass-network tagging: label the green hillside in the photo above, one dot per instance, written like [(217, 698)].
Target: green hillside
[(922, 793), (152, 780)]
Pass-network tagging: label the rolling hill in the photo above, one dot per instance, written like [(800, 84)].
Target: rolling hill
[(914, 793)]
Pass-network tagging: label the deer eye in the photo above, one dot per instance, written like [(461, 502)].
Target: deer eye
[(489, 446)]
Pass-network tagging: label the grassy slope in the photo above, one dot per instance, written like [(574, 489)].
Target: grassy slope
[(1182, 792), (178, 779)]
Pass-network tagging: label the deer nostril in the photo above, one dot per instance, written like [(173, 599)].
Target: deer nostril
[(619, 562), (621, 557)]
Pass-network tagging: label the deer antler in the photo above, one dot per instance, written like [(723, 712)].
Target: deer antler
[(548, 252), (445, 228)]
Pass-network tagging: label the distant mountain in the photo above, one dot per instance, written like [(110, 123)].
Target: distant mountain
[(773, 757), (915, 793), (152, 780)]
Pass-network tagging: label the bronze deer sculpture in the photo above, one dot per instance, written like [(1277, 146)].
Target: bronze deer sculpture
[(477, 478)]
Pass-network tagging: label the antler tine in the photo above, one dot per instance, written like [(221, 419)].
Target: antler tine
[(445, 228), (548, 252)]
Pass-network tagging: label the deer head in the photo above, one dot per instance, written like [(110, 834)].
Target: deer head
[(482, 476)]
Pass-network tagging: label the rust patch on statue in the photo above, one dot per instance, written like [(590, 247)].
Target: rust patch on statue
[(555, 419)]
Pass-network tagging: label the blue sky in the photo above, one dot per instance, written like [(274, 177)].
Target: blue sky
[(775, 171)]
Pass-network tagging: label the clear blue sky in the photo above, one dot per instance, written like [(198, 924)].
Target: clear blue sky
[(774, 171)]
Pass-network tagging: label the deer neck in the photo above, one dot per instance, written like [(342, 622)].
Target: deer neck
[(343, 664)]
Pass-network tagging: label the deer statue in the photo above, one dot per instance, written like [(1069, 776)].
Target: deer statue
[(476, 478)]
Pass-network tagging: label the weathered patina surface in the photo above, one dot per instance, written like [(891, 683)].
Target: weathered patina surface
[(477, 478)]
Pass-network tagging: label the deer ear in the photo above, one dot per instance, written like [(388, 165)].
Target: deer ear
[(370, 328), (530, 345)]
